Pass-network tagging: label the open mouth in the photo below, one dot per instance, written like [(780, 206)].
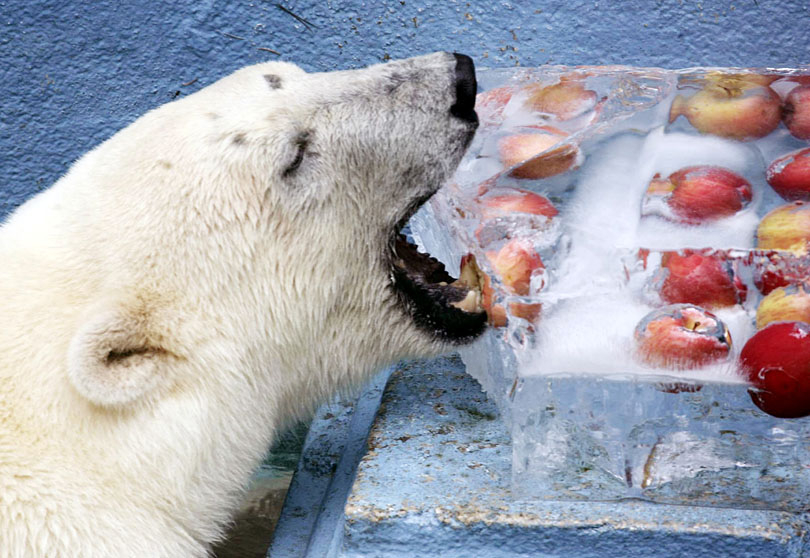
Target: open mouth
[(445, 307)]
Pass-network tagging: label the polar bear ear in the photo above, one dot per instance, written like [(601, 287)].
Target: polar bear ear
[(113, 361)]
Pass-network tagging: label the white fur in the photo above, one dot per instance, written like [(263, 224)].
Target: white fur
[(175, 300)]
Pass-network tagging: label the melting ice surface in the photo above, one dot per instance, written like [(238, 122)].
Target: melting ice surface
[(588, 419)]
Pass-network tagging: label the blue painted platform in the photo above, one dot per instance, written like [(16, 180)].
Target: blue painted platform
[(435, 481)]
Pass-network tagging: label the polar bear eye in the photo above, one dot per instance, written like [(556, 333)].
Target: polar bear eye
[(301, 144)]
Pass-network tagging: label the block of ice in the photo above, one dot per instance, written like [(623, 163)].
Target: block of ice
[(590, 418)]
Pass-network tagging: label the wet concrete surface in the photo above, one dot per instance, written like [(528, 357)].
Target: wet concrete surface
[(255, 523)]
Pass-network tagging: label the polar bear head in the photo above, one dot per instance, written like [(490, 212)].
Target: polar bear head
[(210, 272), (255, 226)]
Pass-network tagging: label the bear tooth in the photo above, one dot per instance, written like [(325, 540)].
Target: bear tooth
[(470, 303), (469, 274)]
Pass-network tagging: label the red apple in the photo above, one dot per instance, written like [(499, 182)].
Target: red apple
[(789, 175), (754, 78), (539, 153), (515, 263), (785, 228), (767, 272), (503, 202), (564, 100), (681, 336), (504, 210), (490, 104), (705, 280), (731, 107), (776, 361), (529, 311), (776, 268), (785, 304), (796, 112), (698, 194), (488, 185)]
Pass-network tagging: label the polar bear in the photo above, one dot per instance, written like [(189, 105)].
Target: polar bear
[(207, 275)]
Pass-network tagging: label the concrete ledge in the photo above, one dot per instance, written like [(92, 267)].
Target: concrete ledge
[(436, 482), (311, 519)]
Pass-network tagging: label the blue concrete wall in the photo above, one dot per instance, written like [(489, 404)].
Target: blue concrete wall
[(72, 73)]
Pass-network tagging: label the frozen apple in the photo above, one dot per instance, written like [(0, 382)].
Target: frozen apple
[(768, 273), (751, 77), (731, 107), (796, 112), (785, 228), (681, 336), (699, 194), (564, 100), (778, 268), (529, 311), (515, 263), (505, 210), (789, 175), (784, 304), (705, 280), (776, 362), (503, 202), (539, 152), (490, 104)]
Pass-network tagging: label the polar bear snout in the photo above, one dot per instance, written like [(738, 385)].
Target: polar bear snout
[(466, 88)]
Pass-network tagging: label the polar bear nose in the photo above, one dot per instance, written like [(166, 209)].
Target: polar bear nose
[(466, 88)]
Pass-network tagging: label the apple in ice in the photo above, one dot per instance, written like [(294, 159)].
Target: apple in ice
[(755, 78), (784, 304), (786, 227), (681, 336), (776, 362), (731, 106), (490, 104), (529, 311), (538, 152), (778, 268), (708, 281), (564, 100), (789, 175), (796, 112), (699, 194), (515, 264), (526, 209), (503, 202)]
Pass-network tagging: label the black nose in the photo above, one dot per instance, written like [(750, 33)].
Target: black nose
[(466, 88)]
